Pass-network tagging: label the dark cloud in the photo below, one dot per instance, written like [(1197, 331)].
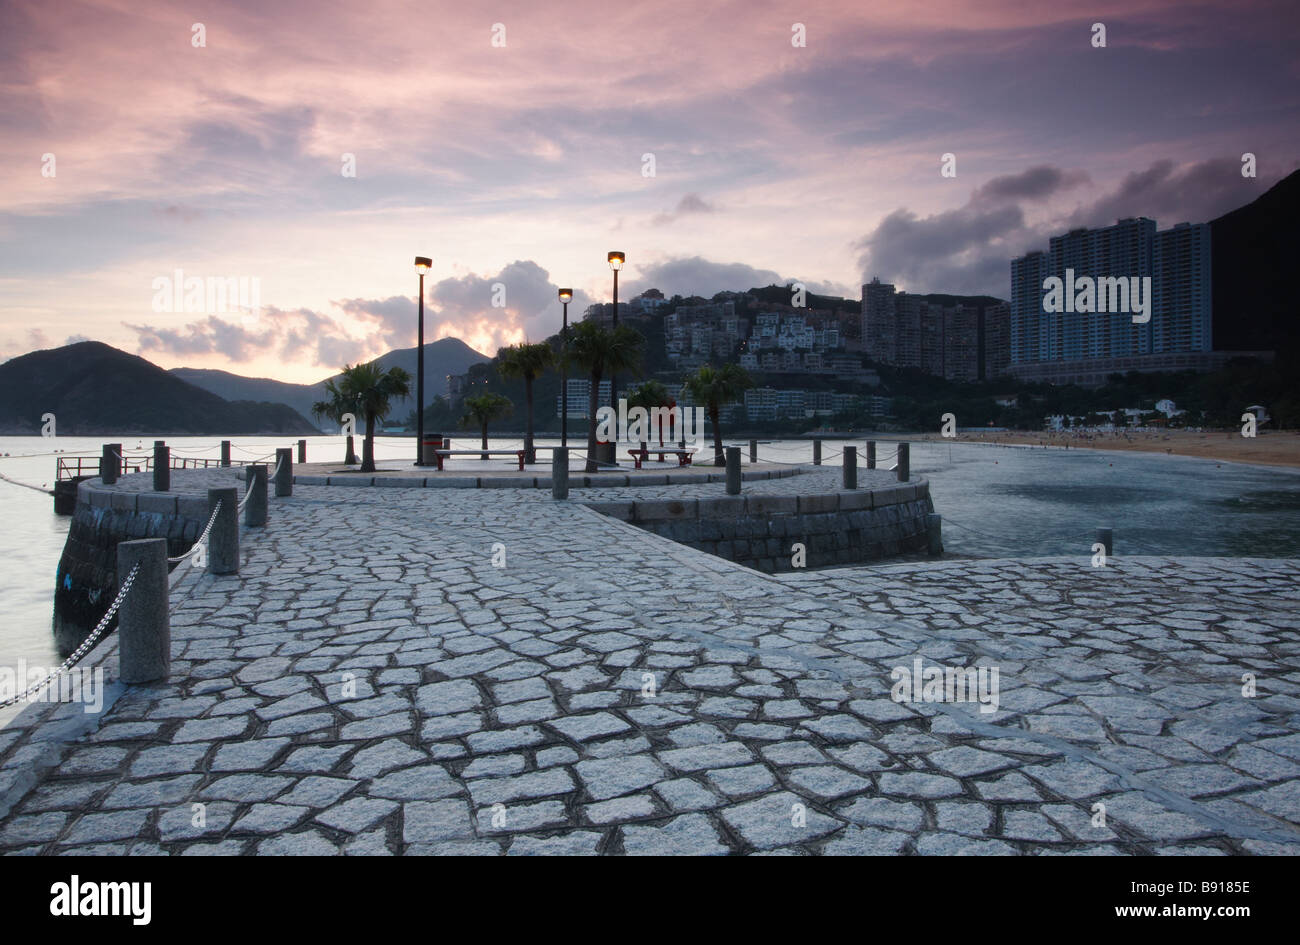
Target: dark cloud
[(1037, 183), (960, 251), (181, 214), (969, 250), (1168, 194), (689, 204)]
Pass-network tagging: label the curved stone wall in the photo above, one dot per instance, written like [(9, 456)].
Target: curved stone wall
[(86, 579), (760, 531)]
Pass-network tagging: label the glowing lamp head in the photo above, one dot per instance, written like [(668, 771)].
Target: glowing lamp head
[(423, 264), (616, 260), (566, 295)]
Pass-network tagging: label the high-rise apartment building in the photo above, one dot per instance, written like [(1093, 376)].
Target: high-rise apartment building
[(579, 397), (1181, 316), (1177, 316), (878, 321), (950, 341), (961, 343), (995, 341), (1033, 333)]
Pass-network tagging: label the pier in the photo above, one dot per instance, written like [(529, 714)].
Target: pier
[(438, 669)]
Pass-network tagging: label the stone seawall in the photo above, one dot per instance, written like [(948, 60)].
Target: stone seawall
[(86, 580), (759, 531)]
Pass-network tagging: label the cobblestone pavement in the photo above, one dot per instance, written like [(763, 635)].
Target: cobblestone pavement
[(372, 684)]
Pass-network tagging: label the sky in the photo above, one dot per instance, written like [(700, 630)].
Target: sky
[(314, 149)]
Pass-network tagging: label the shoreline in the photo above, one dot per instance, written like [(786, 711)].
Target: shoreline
[(1274, 449)]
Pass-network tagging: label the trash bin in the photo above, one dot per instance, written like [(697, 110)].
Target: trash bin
[(605, 455), (432, 441)]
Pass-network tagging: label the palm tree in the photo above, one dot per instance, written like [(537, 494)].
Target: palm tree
[(600, 351), (334, 407), (526, 361), (372, 390), (712, 387), (649, 395), (482, 410)]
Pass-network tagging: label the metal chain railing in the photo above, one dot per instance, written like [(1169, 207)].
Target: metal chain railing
[(93, 637), (86, 644), (201, 539)]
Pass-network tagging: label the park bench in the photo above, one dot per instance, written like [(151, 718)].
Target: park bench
[(519, 454), (642, 455), (440, 455)]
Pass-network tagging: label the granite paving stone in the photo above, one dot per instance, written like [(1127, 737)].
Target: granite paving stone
[(612, 691)]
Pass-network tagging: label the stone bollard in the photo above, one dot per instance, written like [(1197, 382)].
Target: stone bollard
[(302, 451), (162, 466), (110, 463), (817, 452), (223, 540), (144, 645), (255, 510), (871, 454), (283, 472), (753, 451), (733, 470), (1106, 538), (560, 472), (934, 533), (225, 452), (850, 467), (904, 462)]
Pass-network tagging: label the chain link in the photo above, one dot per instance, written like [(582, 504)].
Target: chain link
[(86, 644), (95, 634), (201, 539)]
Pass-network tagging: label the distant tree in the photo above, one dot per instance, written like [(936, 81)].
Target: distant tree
[(602, 351), (372, 390), (712, 387), (649, 395), (334, 407), (526, 361), (482, 410), (438, 414)]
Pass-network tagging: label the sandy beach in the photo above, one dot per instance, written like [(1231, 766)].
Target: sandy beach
[(1267, 449)]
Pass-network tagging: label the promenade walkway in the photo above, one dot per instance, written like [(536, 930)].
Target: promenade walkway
[(373, 683)]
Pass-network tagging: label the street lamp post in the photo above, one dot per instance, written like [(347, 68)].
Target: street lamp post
[(566, 296), (422, 265), (616, 260)]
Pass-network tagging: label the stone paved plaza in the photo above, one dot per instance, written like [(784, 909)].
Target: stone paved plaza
[(373, 683)]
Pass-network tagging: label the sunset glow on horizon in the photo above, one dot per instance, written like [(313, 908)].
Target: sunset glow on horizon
[(318, 150)]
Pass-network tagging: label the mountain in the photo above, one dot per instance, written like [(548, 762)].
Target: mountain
[(1253, 249), (93, 388), (447, 356), (298, 397)]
